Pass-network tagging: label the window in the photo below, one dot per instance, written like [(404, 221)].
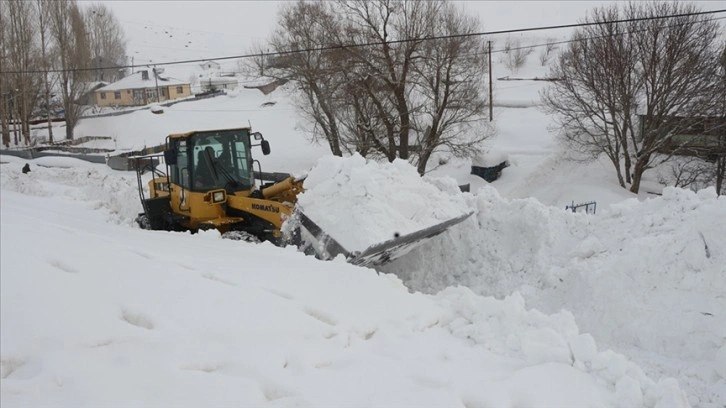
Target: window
[(103, 95), (179, 89), (180, 171), (228, 163), (138, 95), (117, 95)]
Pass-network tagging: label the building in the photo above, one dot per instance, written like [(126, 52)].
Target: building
[(211, 66), (142, 88), (700, 136), (217, 83), (88, 95)]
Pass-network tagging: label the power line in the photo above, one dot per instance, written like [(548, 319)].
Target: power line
[(524, 47), (375, 43)]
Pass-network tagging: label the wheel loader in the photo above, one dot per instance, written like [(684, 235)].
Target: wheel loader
[(207, 179)]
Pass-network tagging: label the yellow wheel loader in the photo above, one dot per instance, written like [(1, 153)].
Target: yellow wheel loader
[(207, 180)]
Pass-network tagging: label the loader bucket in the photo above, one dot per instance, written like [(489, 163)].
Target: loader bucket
[(325, 247), (379, 254)]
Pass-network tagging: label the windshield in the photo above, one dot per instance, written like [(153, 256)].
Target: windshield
[(222, 159)]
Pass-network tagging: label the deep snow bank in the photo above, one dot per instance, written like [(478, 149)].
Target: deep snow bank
[(94, 184), (361, 203), (649, 275)]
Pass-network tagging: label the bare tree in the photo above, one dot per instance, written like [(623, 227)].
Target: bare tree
[(592, 104), (388, 65), (448, 92), (106, 41), (515, 54), (19, 61), (45, 63), (309, 26), (687, 172), (380, 85), (69, 33), (4, 78), (546, 51), (624, 85), (719, 168), (679, 76)]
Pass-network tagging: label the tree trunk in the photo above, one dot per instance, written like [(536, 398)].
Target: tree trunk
[(423, 159), (24, 118), (50, 127), (402, 106), (720, 173), (4, 113), (640, 167), (626, 156), (620, 177), (70, 124), (14, 118)]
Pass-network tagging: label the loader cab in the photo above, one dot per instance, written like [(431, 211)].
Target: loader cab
[(211, 160)]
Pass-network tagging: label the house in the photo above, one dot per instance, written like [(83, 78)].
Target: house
[(88, 94), (211, 66), (216, 83), (142, 88), (702, 136)]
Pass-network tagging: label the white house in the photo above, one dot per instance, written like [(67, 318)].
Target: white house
[(211, 66), (215, 83)]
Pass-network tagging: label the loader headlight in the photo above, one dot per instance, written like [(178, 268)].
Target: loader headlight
[(218, 196)]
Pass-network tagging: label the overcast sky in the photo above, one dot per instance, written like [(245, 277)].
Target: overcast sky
[(162, 30)]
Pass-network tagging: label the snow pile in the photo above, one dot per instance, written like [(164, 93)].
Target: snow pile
[(361, 203), (96, 185), (107, 314), (647, 274), (553, 341), (508, 245)]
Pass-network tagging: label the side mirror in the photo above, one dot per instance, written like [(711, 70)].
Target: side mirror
[(170, 156), (256, 135), (265, 147)]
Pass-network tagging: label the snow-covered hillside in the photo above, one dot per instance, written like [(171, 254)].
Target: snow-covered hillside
[(523, 304)]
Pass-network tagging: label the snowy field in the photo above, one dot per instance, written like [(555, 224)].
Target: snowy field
[(523, 304)]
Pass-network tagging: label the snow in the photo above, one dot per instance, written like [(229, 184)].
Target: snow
[(359, 192), (646, 276), (145, 321), (291, 151), (522, 304), (135, 81), (114, 314)]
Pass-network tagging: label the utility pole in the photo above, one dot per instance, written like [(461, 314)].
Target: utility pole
[(156, 79), (491, 99)]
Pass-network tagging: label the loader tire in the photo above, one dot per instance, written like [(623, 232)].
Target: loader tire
[(143, 221), (241, 236)]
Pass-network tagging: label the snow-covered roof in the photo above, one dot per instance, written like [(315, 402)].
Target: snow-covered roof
[(210, 64), (93, 85), (135, 81)]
